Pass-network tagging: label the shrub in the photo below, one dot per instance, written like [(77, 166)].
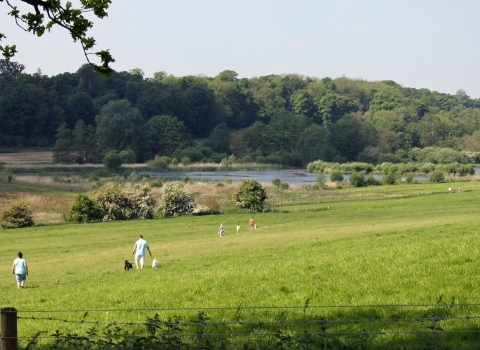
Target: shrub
[(174, 161), (250, 194), (112, 161), (101, 173), (409, 178), (228, 181), (115, 204), (247, 159), (390, 178), (319, 181), (17, 215), (371, 181), (201, 209), (140, 203), (437, 176), (156, 183), (128, 156), (276, 182), (84, 209), (357, 179), (175, 200), (112, 202), (336, 176), (186, 160), (284, 186), (211, 202), (159, 163)]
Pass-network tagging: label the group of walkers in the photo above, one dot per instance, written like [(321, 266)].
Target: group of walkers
[(221, 230), (20, 267)]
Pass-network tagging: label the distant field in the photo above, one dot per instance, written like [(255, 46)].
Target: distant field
[(44, 157), (398, 250)]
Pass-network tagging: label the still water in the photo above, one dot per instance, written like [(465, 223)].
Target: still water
[(292, 177)]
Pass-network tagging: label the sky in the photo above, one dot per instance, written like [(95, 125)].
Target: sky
[(431, 44)]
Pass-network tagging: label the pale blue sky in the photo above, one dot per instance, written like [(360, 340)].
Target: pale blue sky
[(418, 43)]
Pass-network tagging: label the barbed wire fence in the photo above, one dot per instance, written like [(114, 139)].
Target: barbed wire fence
[(241, 324)]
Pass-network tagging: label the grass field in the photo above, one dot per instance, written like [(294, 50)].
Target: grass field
[(386, 245)]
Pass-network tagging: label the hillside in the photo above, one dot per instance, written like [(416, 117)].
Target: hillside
[(287, 119)]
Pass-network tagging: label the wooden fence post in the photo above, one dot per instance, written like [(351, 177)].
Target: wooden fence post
[(9, 328)]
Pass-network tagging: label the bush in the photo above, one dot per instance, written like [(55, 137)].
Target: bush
[(101, 173), (211, 202), (357, 179), (319, 181), (201, 209), (437, 176), (115, 204), (156, 183), (284, 186), (371, 181), (84, 209), (186, 161), (112, 161), (247, 159), (409, 178), (159, 163), (140, 203), (111, 200), (276, 182), (390, 178), (175, 200), (128, 156), (174, 161), (336, 176), (17, 215), (250, 194)]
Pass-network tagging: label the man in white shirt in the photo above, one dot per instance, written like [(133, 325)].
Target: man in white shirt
[(139, 251)]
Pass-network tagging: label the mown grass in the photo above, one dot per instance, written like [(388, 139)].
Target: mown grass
[(408, 249)]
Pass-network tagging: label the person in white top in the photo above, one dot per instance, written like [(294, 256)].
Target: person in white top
[(238, 228), (20, 270), (139, 251)]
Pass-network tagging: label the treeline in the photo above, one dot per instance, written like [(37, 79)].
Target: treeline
[(286, 119)]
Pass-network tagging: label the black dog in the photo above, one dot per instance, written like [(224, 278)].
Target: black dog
[(128, 265)]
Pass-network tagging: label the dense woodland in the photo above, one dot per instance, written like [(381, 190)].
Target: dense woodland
[(287, 119)]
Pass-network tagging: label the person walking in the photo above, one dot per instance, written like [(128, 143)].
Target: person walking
[(238, 228), (252, 223), (20, 270), (139, 250), (221, 230)]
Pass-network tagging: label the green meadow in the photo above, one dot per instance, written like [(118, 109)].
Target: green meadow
[(383, 260)]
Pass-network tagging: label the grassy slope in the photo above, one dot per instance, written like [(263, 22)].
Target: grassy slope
[(393, 251)]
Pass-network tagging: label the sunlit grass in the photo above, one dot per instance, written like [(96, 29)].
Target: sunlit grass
[(397, 250)]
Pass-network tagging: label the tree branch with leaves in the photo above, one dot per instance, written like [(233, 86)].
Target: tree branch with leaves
[(45, 14)]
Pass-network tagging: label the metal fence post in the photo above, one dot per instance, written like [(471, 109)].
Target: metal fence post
[(9, 328)]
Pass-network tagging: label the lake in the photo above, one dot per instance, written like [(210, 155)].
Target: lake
[(292, 177)]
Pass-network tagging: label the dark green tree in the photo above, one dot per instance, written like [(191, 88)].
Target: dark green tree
[(161, 135), (219, 139), (63, 149), (119, 126)]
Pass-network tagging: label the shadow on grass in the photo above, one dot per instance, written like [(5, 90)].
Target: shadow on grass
[(439, 326)]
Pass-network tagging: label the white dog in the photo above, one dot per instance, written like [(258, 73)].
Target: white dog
[(154, 263)]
